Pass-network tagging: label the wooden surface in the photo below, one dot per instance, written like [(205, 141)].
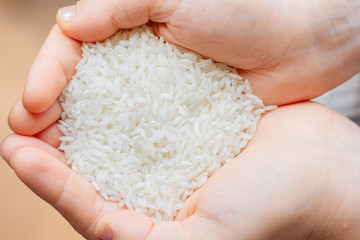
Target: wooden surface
[(24, 25)]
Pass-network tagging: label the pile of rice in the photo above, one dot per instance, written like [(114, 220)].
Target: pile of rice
[(147, 123)]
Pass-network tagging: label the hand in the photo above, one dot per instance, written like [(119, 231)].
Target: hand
[(298, 178), (268, 41)]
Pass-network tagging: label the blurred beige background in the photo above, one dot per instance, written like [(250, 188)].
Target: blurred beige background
[(24, 25)]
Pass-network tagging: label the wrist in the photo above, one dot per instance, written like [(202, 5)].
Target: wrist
[(334, 211), (327, 207), (343, 213)]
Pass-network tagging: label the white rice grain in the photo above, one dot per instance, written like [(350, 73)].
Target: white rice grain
[(147, 123)]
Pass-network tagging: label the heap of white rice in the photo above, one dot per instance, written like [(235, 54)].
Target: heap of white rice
[(147, 123)]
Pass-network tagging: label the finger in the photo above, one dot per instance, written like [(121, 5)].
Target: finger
[(66, 191), (125, 225), (50, 135), (51, 70), (15, 141), (162, 29), (24, 122), (94, 20)]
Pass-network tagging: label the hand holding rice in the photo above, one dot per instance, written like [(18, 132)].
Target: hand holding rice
[(147, 122)]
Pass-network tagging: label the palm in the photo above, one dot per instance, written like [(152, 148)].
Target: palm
[(258, 38), (280, 168)]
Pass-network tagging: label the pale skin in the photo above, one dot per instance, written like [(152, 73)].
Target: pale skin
[(297, 179)]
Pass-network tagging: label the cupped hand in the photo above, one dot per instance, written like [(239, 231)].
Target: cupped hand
[(289, 50), (299, 177)]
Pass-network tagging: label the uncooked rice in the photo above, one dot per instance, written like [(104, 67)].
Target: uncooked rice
[(147, 122)]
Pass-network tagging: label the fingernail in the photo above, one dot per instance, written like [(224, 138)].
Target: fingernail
[(104, 233), (67, 13)]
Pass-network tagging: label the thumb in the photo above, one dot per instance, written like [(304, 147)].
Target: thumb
[(95, 20)]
